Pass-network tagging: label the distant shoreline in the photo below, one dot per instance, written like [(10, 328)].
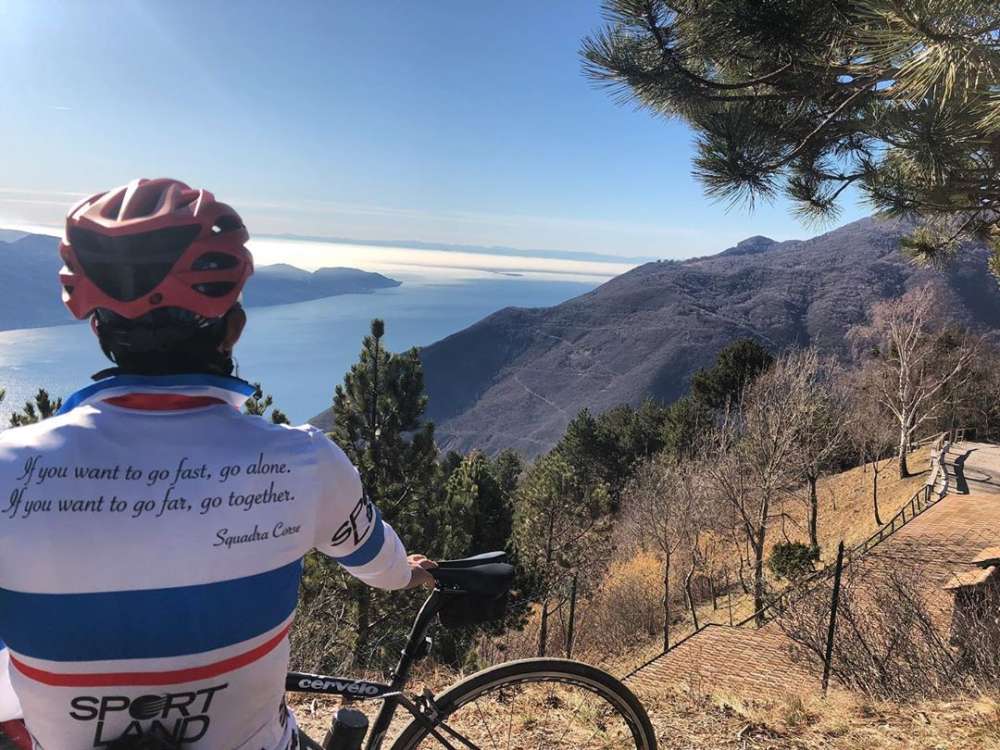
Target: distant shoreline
[(473, 249), (512, 252), (31, 262)]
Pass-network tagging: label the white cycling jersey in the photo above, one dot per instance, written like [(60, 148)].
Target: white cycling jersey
[(151, 542)]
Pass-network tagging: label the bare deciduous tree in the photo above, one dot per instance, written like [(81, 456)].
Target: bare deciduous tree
[(751, 462), (823, 426), (976, 404), (870, 431), (701, 532), (656, 512), (911, 361)]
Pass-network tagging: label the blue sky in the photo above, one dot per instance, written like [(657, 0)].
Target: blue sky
[(446, 121)]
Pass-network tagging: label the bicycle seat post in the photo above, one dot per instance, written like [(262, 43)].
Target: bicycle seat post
[(347, 731)]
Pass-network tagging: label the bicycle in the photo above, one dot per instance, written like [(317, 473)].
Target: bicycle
[(522, 704)]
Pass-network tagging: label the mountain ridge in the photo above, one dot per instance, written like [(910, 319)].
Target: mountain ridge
[(515, 378)]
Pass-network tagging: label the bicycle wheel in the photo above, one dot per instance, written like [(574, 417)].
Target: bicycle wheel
[(535, 704)]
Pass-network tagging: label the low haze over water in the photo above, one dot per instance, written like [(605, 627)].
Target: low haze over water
[(300, 352)]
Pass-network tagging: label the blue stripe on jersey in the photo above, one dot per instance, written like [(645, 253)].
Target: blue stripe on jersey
[(369, 549), (157, 381), (148, 624)]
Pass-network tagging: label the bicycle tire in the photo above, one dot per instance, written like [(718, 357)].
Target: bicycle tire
[(542, 670)]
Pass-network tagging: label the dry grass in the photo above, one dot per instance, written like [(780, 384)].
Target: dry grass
[(538, 716), (845, 503), (843, 721)]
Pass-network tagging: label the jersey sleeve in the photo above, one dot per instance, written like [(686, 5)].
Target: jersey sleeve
[(350, 528)]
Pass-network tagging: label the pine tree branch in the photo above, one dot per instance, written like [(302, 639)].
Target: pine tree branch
[(670, 57)]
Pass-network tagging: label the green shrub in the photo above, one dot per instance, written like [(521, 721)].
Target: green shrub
[(792, 560)]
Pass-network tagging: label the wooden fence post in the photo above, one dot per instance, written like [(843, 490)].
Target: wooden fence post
[(572, 618), (828, 659), (729, 595)]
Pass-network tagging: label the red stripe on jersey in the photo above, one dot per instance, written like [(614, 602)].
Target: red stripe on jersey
[(173, 677), (162, 401)]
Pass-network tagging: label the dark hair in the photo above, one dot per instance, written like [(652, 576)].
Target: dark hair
[(164, 342)]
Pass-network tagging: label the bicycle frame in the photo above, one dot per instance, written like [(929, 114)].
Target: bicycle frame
[(391, 695)]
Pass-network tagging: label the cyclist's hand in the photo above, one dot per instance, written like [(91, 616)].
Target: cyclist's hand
[(419, 565)]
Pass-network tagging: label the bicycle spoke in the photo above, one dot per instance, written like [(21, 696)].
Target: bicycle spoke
[(553, 717), (544, 711), (480, 711), (596, 730), (510, 721), (569, 724)]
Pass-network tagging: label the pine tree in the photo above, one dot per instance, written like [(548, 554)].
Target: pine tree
[(42, 407), (448, 463), (581, 448), (605, 449), (259, 403), (735, 367), (559, 528), (379, 423), (684, 426), (687, 421), (508, 468), (807, 98), (475, 514)]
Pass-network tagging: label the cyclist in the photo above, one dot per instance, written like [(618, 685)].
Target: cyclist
[(151, 534)]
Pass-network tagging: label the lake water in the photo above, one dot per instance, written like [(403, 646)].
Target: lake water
[(299, 352)]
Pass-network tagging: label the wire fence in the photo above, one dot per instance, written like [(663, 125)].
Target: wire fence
[(930, 494), (933, 491)]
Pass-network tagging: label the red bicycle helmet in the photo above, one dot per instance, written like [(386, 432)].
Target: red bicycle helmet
[(153, 244)]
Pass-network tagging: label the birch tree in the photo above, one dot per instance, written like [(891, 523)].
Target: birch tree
[(909, 362), (870, 432)]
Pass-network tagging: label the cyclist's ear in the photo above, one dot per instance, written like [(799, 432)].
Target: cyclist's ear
[(236, 319)]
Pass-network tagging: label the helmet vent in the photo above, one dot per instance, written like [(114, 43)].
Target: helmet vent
[(214, 262), (225, 224), (215, 288), (110, 211), (144, 203)]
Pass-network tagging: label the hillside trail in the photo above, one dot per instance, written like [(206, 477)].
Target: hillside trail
[(943, 540)]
